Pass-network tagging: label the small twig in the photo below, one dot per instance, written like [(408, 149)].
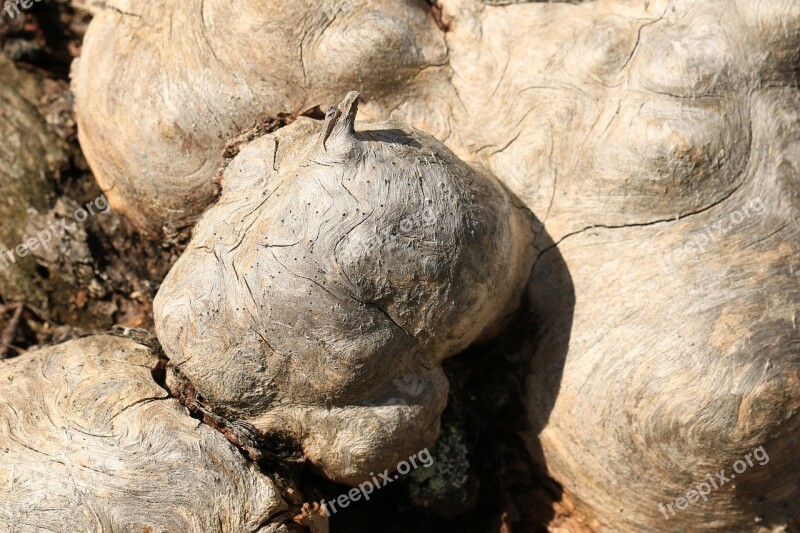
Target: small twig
[(7, 340), (40, 314)]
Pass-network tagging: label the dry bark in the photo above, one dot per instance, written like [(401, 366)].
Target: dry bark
[(629, 128), (318, 298), (90, 442), (210, 70), (653, 370)]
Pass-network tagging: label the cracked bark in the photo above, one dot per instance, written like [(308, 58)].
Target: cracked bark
[(92, 443), (636, 129), (339, 321)]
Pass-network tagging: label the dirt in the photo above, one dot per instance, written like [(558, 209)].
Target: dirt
[(107, 271)]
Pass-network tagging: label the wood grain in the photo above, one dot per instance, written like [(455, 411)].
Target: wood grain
[(90, 442), (629, 128), (318, 298)]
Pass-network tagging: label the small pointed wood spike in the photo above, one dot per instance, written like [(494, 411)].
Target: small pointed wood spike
[(341, 120), (348, 109)]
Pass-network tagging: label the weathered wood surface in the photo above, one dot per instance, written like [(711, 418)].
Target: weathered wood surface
[(318, 298), (90, 442), (662, 153), (629, 128), (669, 360), (161, 86)]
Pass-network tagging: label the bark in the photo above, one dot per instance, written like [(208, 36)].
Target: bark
[(318, 298), (210, 71), (629, 128), (90, 442)]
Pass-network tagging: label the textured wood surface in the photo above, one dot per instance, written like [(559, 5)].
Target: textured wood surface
[(160, 86), (667, 346), (90, 442), (665, 160), (319, 296)]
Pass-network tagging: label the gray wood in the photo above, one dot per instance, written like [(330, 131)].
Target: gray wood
[(90, 442), (628, 128), (319, 296)]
